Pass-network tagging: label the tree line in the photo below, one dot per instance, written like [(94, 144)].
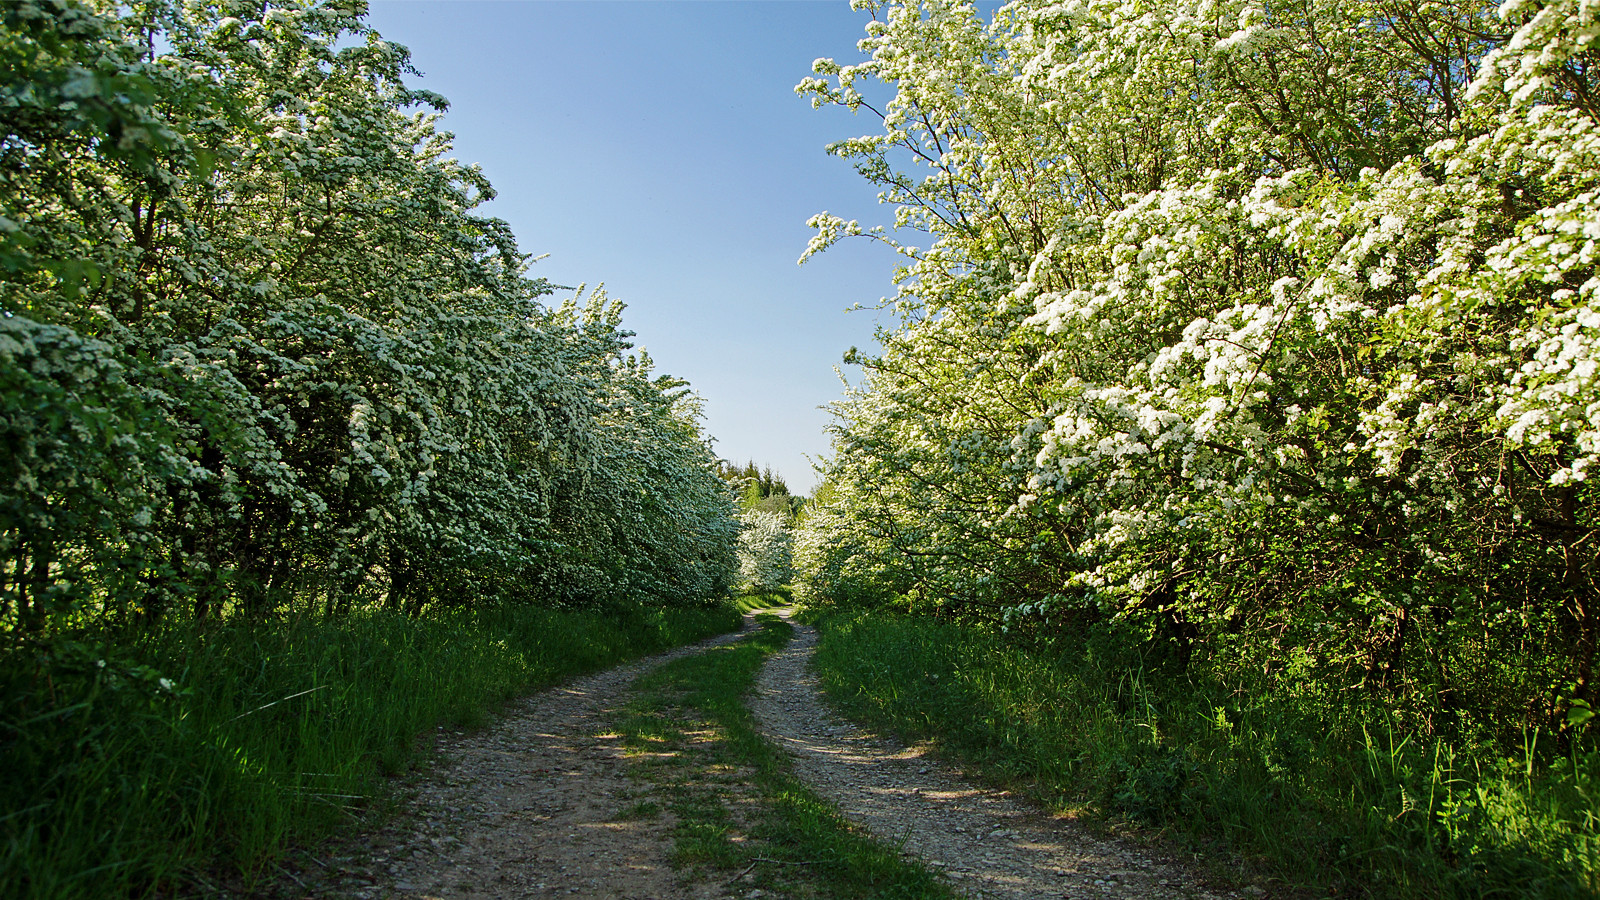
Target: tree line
[(1259, 337), (259, 353)]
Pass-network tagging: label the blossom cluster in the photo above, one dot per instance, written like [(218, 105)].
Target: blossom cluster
[(258, 349), (765, 552), (1244, 327)]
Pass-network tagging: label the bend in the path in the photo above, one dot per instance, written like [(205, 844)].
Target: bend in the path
[(988, 842)]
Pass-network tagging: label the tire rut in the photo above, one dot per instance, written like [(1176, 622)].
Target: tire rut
[(988, 843), (534, 805)]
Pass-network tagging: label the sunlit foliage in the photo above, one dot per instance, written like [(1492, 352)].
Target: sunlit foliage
[(1261, 334), (259, 352)]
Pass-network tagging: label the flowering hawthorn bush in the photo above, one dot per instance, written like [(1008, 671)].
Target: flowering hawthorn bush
[(258, 350), (1263, 333), (766, 552)]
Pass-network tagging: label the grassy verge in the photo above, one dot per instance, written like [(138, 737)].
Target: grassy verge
[(738, 810), (1329, 804), (127, 767)]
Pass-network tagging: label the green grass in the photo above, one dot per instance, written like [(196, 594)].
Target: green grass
[(1324, 803), (759, 602), (739, 810), (127, 768)]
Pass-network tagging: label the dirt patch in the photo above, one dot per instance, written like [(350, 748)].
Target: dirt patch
[(988, 843)]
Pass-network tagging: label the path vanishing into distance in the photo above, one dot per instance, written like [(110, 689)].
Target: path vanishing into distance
[(540, 803)]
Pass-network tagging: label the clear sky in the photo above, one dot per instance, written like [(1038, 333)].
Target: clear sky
[(659, 147)]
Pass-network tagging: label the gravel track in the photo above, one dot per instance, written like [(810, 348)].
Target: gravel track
[(538, 805)]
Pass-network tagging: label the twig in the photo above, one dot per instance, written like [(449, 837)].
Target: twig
[(295, 878), (744, 873), (787, 862), (776, 862)]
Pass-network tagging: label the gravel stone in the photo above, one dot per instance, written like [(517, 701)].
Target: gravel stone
[(536, 805)]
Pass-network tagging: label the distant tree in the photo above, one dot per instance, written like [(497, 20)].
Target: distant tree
[(766, 552), (759, 488)]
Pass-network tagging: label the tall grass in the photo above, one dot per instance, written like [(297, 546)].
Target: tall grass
[(1334, 801), (129, 765)]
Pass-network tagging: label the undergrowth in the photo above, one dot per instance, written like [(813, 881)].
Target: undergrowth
[(132, 763), (1321, 801), (739, 810)]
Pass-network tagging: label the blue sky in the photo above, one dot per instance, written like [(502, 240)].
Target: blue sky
[(659, 147)]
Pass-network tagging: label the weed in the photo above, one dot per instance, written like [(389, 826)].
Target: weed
[(644, 809)]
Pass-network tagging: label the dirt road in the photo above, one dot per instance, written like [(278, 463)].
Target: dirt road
[(540, 804)]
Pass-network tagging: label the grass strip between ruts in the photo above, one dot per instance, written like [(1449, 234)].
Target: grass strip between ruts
[(740, 812)]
